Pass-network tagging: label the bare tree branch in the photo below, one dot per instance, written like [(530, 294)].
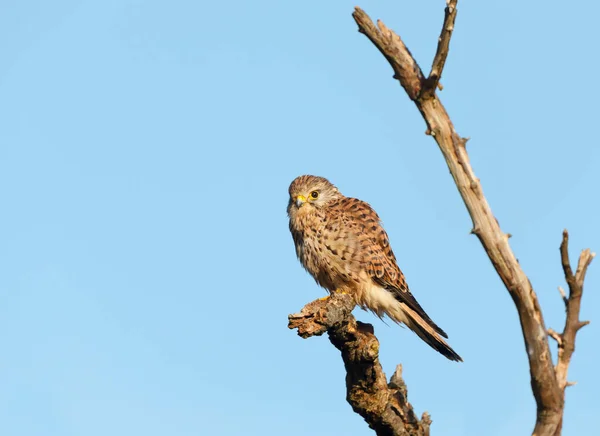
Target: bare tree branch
[(566, 346), (442, 49), (383, 405), (544, 382), (406, 69), (565, 341)]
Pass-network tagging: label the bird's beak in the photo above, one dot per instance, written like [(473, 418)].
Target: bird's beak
[(300, 200)]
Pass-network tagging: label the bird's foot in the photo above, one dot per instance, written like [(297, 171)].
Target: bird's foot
[(337, 291)]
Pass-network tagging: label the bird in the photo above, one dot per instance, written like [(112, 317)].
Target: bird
[(341, 242)]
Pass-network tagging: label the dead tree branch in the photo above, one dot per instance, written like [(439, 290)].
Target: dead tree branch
[(443, 47), (566, 340), (547, 385), (383, 405)]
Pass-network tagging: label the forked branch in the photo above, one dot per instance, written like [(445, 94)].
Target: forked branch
[(566, 339)]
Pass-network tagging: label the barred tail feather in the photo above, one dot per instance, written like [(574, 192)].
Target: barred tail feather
[(426, 332), (394, 304)]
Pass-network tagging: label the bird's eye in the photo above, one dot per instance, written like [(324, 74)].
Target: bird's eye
[(314, 195)]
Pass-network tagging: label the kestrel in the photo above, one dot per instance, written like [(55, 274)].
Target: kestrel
[(341, 243)]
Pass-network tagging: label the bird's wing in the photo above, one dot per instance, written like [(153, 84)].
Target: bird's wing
[(381, 261)]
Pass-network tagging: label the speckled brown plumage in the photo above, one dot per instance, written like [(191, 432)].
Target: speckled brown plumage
[(341, 243)]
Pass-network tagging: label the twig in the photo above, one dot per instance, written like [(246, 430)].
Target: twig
[(384, 406), (443, 47), (563, 294), (556, 336)]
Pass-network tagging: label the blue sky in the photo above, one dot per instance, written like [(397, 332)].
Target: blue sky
[(146, 270)]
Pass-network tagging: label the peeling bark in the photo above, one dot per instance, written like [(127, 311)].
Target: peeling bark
[(383, 405)]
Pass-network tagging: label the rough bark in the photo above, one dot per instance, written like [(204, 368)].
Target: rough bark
[(383, 405), (364, 380)]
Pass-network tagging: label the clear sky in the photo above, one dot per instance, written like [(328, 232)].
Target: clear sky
[(146, 268)]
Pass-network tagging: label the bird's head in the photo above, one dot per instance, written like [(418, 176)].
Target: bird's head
[(312, 191)]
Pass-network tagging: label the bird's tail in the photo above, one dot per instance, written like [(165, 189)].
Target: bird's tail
[(426, 332)]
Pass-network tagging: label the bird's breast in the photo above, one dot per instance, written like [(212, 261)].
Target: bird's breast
[(325, 251)]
